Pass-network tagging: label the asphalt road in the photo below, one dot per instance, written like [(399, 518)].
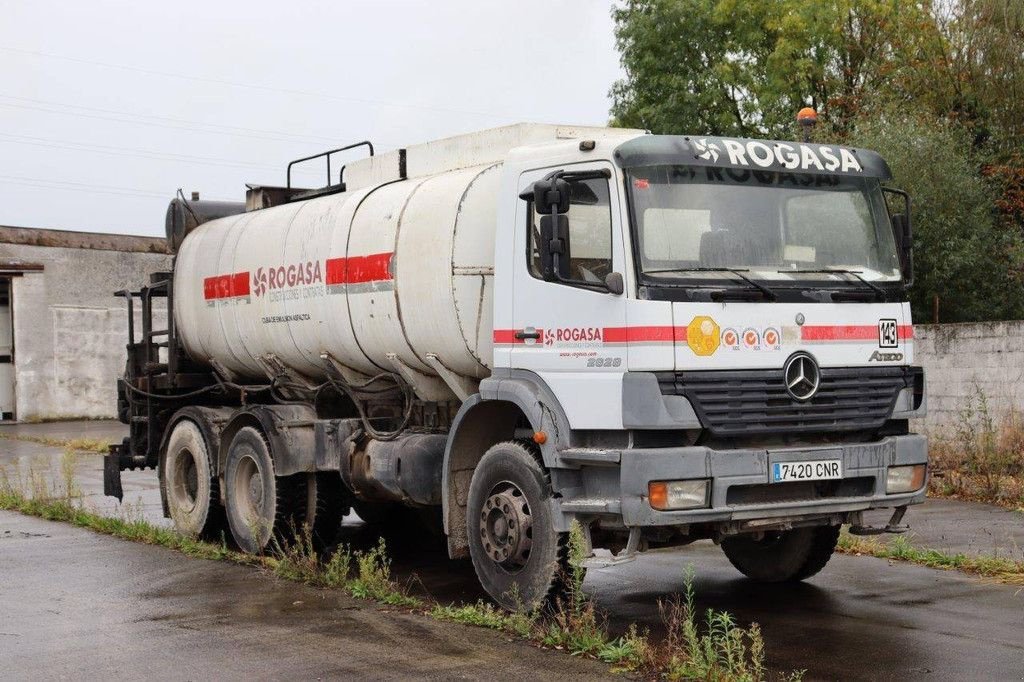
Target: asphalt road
[(77, 605), (860, 619)]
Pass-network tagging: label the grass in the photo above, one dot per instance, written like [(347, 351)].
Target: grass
[(714, 647), (1002, 570), (92, 445)]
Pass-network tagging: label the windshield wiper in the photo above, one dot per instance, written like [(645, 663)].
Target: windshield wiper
[(768, 293), (879, 291)]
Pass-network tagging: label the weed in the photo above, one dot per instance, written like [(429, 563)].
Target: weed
[(982, 461), (67, 467), (574, 623), (373, 579), (724, 651), (299, 561), (628, 653)]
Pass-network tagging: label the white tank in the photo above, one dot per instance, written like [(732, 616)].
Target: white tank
[(387, 276)]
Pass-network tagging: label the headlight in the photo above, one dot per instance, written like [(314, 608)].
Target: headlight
[(905, 479), (666, 495)]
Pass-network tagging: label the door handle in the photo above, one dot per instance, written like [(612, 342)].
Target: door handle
[(525, 334)]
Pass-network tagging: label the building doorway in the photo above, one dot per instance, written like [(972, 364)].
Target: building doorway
[(6, 351)]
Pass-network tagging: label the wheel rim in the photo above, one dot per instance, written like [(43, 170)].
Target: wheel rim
[(248, 489), (185, 486), (506, 527)]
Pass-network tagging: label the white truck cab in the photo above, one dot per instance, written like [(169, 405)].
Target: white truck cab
[(719, 336)]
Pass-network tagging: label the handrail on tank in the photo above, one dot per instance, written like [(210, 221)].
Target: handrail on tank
[(327, 154)]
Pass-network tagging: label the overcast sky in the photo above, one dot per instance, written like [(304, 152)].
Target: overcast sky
[(108, 106)]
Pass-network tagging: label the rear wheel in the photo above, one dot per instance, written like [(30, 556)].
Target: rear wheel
[(189, 485), (519, 558), (260, 505), (791, 555)]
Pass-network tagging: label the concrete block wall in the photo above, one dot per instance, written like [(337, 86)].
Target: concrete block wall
[(961, 359)]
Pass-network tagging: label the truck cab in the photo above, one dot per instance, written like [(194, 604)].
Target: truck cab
[(718, 334)]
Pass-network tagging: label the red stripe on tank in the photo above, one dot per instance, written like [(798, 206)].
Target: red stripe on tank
[(226, 286), (359, 269)]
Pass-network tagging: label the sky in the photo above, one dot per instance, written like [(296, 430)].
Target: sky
[(107, 107)]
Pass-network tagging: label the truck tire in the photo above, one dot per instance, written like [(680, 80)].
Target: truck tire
[(331, 508), (260, 505), (786, 556), (190, 486), (519, 558)]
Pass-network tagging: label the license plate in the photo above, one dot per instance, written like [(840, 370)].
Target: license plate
[(814, 470)]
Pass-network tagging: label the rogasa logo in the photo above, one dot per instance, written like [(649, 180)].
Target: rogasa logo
[(283, 276)]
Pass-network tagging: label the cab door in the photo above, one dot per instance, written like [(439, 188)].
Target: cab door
[(573, 334)]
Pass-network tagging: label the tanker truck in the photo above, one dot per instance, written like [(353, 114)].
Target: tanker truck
[(661, 338)]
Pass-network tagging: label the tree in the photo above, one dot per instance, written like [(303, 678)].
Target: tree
[(745, 68), (962, 253)]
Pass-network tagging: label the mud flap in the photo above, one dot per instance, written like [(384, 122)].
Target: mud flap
[(112, 473)]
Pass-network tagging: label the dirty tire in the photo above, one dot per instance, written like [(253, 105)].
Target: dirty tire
[(520, 560), (786, 556), (189, 485), (260, 505)]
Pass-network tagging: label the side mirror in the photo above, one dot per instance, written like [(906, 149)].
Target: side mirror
[(901, 223), (614, 283), (904, 233), (554, 247), (551, 196)]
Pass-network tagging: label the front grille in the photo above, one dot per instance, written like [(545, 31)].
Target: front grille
[(799, 491), (755, 402)]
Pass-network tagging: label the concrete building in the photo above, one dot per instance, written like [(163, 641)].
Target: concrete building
[(62, 331)]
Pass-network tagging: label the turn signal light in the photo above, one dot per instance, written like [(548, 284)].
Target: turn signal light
[(905, 479), (668, 495)]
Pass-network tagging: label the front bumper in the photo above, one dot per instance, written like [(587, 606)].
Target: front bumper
[(741, 490)]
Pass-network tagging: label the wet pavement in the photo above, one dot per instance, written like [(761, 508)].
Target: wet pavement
[(78, 605), (860, 619)]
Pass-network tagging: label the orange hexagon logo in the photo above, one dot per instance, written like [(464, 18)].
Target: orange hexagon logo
[(703, 335)]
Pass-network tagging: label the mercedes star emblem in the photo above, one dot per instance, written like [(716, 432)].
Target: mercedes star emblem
[(802, 376)]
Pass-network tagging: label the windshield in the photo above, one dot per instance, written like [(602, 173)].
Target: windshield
[(701, 222)]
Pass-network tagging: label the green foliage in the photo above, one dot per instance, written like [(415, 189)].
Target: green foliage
[(745, 68), (373, 579)]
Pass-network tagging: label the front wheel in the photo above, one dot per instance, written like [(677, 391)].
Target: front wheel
[(519, 558), (782, 556)]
